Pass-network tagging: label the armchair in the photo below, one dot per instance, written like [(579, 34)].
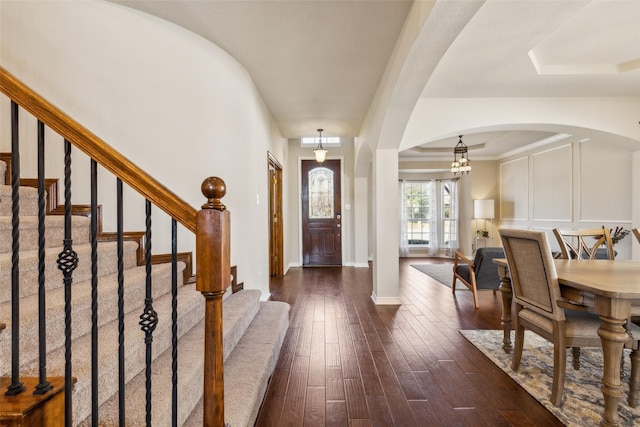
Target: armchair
[(479, 273)]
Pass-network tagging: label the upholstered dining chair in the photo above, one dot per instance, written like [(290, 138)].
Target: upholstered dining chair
[(479, 273), (536, 293), (585, 244)]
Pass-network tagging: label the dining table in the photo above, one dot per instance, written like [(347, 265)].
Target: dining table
[(611, 288)]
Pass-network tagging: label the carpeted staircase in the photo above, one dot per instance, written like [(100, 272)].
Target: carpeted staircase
[(253, 330)]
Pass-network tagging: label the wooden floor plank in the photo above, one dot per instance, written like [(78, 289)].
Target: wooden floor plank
[(315, 406), (317, 360), (335, 383), (294, 405), (388, 365), (355, 398), (379, 411), (336, 413)]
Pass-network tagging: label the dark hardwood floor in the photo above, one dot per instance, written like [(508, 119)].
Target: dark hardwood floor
[(347, 362)]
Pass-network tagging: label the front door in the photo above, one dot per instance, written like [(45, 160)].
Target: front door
[(321, 215)]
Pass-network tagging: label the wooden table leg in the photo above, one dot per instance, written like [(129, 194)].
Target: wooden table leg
[(634, 380), (613, 335), (507, 298)]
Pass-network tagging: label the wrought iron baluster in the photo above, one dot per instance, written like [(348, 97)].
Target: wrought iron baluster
[(67, 263), (16, 387), (121, 348), (94, 292), (174, 322), (43, 386), (149, 317)]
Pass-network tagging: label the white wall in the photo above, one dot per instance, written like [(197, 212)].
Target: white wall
[(569, 184), (176, 105)]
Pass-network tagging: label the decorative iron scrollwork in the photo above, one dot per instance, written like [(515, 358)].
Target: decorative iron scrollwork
[(148, 319), (67, 260)]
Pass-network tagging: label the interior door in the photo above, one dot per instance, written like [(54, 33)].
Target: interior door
[(276, 250), (321, 215)]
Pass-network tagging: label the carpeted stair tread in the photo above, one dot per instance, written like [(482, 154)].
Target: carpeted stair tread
[(236, 309), (54, 231), (28, 200), (28, 265), (190, 312), (134, 286), (248, 369)]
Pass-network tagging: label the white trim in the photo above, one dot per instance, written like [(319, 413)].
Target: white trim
[(361, 264), (542, 142), (385, 300), (262, 297), (606, 221)]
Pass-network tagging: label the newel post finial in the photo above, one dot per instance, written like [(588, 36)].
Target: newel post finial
[(213, 274), (214, 189)]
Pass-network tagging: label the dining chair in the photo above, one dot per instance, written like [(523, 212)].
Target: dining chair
[(536, 293), (574, 242), (636, 233), (585, 243), (479, 273)]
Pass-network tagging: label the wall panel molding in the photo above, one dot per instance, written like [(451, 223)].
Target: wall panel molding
[(552, 184), (514, 189)]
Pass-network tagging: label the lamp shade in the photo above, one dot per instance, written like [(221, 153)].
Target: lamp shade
[(483, 209), (321, 154)]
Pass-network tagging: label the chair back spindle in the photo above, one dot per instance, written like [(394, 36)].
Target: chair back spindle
[(585, 243)]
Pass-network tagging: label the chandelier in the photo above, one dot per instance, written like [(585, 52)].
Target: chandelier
[(461, 162), (319, 151)]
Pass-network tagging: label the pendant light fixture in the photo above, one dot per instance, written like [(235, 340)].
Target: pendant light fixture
[(320, 152), (461, 162)]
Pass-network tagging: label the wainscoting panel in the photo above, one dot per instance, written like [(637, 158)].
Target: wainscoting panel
[(605, 184), (552, 184), (514, 189)]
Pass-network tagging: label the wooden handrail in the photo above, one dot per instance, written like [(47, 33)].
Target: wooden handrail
[(99, 150), (211, 226)]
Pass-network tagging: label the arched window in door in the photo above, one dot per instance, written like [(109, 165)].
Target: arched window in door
[(321, 193)]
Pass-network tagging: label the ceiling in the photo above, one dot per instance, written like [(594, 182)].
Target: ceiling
[(318, 63)]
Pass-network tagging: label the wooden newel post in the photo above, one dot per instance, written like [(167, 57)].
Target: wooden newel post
[(213, 260)]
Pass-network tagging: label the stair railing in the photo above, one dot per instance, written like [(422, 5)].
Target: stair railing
[(210, 224)]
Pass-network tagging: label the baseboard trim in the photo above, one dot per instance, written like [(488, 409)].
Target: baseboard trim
[(361, 264), (385, 300)]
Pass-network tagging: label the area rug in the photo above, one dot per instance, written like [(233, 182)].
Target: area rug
[(443, 273), (583, 403)]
